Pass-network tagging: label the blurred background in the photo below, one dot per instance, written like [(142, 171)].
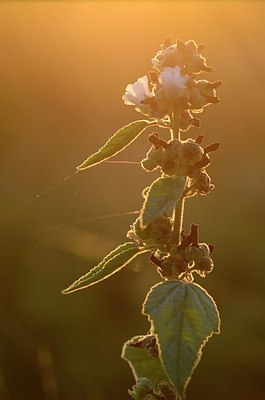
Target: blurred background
[(64, 67)]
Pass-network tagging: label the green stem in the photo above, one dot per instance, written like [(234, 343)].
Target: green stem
[(178, 220), (175, 121), (179, 208)]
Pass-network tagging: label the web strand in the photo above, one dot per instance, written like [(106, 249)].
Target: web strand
[(55, 186), (97, 218)]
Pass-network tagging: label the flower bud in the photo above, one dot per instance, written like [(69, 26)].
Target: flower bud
[(166, 267), (196, 253), (205, 88), (158, 232), (152, 347), (149, 165), (196, 100), (161, 230), (190, 152), (156, 155), (167, 390), (170, 163), (205, 266), (202, 94), (194, 62), (203, 183), (150, 397), (173, 266), (168, 166), (142, 388), (186, 120), (168, 57), (180, 265)]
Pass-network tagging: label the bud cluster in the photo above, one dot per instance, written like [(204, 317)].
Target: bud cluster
[(185, 55), (181, 158), (148, 343), (172, 79), (177, 158), (144, 390), (182, 260), (158, 232)]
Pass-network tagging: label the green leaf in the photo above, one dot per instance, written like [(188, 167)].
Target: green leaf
[(161, 198), (142, 363), (121, 139), (111, 264), (183, 316)]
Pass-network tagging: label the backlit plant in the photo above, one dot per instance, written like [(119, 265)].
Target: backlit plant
[(182, 315)]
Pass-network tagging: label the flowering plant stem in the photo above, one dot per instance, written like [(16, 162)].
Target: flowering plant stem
[(182, 315)]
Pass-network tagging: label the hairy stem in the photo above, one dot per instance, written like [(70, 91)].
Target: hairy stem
[(175, 121), (178, 220), (179, 208)]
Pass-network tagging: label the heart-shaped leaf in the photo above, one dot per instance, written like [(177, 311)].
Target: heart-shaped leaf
[(183, 317)]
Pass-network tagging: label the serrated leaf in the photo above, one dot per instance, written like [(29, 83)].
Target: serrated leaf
[(111, 264), (161, 198), (142, 363), (183, 316), (121, 139)]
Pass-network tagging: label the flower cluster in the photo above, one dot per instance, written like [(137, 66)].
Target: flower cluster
[(144, 390), (158, 233), (184, 259), (172, 80), (182, 158)]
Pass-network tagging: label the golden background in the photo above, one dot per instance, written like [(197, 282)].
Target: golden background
[(63, 69)]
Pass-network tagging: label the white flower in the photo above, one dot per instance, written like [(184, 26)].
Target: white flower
[(137, 92), (173, 83)]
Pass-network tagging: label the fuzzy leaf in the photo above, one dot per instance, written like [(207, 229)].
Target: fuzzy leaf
[(142, 363), (161, 197), (183, 316), (111, 264), (121, 139)]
